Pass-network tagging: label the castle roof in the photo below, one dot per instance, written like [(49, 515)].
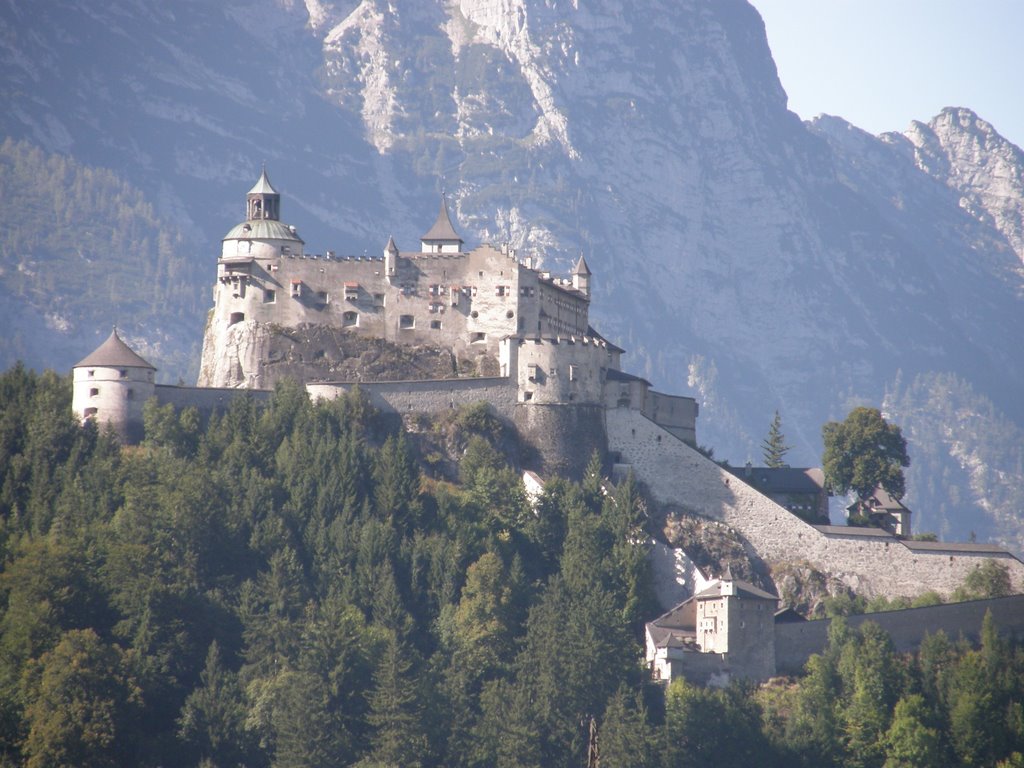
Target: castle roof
[(581, 267), (781, 479), (391, 247), (613, 374), (262, 229), (114, 353), (741, 589), (263, 185), (442, 229)]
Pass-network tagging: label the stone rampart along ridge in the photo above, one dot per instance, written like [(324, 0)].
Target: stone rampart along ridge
[(795, 642), (426, 396), (869, 563)]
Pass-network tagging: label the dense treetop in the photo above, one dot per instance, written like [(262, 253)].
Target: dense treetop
[(287, 586)]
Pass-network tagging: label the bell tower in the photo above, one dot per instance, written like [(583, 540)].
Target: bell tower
[(263, 201)]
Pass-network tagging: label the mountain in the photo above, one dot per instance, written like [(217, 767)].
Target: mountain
[(753, 259)]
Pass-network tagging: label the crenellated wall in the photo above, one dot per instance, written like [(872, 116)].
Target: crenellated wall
[(869, 561)]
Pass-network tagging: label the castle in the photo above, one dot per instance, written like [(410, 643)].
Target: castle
[(522, 340), (524, 335)]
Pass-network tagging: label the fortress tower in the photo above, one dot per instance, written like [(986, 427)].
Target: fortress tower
[(111, 385)]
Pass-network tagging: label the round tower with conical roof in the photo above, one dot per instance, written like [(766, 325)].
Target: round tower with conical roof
[(111, 386)]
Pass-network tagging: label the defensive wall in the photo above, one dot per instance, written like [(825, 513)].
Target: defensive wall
[(206, 400), (433, 396), (869, 561), (795, 642)]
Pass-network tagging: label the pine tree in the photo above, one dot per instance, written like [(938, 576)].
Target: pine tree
[(774, 446)]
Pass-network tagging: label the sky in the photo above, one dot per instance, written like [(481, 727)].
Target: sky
[(881, 63)]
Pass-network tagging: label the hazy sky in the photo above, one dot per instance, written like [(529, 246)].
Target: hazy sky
[(882, 63)]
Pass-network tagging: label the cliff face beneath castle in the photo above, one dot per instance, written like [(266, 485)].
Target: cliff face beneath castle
[(257, 355), (766, 261)]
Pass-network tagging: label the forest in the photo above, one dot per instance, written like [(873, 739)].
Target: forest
[(308, 584)]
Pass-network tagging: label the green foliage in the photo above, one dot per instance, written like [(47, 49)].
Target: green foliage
[(65, 218), (282, 587), (864, 452), (990, 579), (773, 447)]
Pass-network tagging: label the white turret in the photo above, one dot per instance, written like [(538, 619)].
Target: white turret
[(111, 385)]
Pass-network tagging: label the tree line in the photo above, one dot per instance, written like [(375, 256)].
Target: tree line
[(284, 585)]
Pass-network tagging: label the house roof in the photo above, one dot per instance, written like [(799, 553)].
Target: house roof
[(741, 589), (880, 501), (670, 637), (596, 335), (772, 480), (442, 229), (114, 353), (263, 185), (615, 375)]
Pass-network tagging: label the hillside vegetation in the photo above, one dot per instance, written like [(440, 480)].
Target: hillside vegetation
[(286, 587), (82, 249)]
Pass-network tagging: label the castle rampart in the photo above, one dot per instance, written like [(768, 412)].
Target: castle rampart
[(869, 561), (795, 642)]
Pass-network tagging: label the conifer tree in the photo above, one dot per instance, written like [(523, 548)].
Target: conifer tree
[(773, 447)]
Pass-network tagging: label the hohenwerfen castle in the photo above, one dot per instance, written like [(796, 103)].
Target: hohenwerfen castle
[(525, 339)]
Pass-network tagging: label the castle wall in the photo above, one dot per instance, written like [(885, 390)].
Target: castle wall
[(868, 561), (114, 397), (561, 370), (675, 413), (206, 400), (565, 435), (427, 396), (795, 642), (465, 301)]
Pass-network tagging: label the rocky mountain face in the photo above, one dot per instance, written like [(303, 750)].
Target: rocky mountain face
[(740, 254)]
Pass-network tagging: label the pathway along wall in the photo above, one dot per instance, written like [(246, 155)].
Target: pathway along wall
[(868, 563)]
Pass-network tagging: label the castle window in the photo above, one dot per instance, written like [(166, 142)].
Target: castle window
[(527, 395), (90, 412), (269, 296), (436, 307), (435, 325), (510, 314), (92, 373), (349, 319), (378, 300), (94, 392), (323, 297), (351, 291), (499, 290), (123, 373), (478, 336), (406, 322), (296, 288), (531, 371), (573, 372), (286, 250), (236, 317)]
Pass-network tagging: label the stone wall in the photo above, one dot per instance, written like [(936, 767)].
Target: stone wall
[(565, 435), (795, 642), (427, 396), (206, 400), (868, 562)]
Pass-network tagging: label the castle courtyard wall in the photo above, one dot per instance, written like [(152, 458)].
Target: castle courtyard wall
[(795, 642), (868, 561), (435, 396)]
